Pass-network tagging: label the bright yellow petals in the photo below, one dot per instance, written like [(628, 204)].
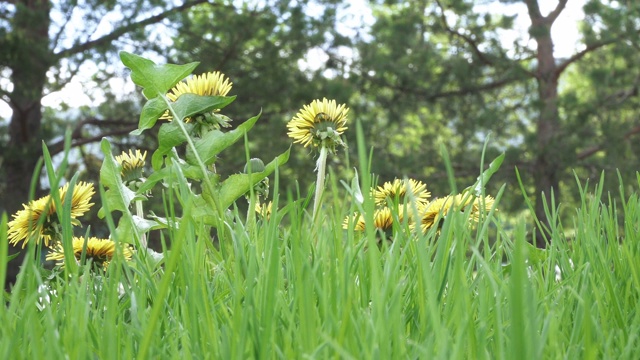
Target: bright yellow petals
[(80, 199), (37, 220), (437, 209), (319, 124), (264, 210), (382, 220), (208, 84), (26, 223), (132, 164), (99, 251), (481, 205), (398, 188)]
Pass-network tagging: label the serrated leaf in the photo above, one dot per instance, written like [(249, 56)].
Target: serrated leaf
[(118, 197), (125, 231), (167, 175), (145, 225), (214, 142), (151, 112), (169, 136), (202, 211), (239, 184), (155, 79), (188, 105)]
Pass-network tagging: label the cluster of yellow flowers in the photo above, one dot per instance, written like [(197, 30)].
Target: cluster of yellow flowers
[(38, 221), (394, 194), (321, 123), (99, 251)]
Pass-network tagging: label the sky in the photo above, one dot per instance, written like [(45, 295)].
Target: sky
[(565, 34)]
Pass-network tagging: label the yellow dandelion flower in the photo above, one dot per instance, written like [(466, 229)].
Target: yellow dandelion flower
[(264, 211), (437, 209), (132, 164), (80, 199), (37, 218), (25, 223), (98, 251), (382, 220), (479, 205), (319, 124), (398, 188), (208, 84)]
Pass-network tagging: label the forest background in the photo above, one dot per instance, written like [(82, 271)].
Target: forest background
[(416, 74)]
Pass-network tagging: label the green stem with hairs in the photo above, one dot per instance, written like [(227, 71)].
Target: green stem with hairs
[(321, 167), (140, 214)]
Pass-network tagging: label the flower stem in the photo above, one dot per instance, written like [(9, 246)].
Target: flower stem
[(321, 167), (251, 214), (140, 213)]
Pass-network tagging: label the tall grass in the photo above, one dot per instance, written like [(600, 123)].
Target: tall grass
[(295, 287)]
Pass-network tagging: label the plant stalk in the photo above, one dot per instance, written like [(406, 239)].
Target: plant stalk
[(321, 167)]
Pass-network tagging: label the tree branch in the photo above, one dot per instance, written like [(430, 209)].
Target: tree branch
[(596, 148), (534, 10), (125, 29), (474, 46), (579, 55), (77, 139), (6, 96), (557, 11), (458, 92), (56, 37)]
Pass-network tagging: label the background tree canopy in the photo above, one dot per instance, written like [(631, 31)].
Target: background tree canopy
[(416, 74)]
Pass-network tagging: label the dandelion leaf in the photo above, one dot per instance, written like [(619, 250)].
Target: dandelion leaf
[(214, 142)]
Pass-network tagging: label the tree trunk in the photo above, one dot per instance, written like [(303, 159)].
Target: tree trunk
[(549, 162), (29, 63)]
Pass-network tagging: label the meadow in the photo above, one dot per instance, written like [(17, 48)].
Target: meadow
[(383, 272)]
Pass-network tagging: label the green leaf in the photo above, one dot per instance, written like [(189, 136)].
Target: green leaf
[(169, 136), (188, 105), (239, 184), (483, 179), (118, 196), (167, 175), (155, 79), (535, 256), (214, 142), (145, 225), (151, 111), (202, 211)]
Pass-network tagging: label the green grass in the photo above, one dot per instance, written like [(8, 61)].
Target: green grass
[(293, 287)]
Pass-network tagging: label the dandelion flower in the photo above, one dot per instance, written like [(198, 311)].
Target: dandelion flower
[(481, 205), (319, 124), (98, 251), (26, 222), (437, 209), (264, 210), (208, 84), (398, 188), (132, 164), (80, 199), (37, 219), (382, 220)]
